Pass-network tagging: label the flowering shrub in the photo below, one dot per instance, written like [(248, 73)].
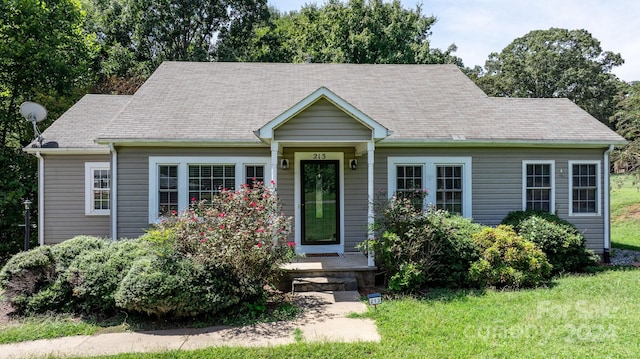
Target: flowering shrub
[(241, 233)]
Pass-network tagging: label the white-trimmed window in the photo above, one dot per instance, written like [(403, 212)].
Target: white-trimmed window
[(584, 188), (97, 176), (538, 182), (176, 181), (442, 182)]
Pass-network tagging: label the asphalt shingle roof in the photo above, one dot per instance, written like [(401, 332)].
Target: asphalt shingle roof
[(186, 101), (79, 126)]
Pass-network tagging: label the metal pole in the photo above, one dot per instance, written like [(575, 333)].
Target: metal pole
[(27, 224)]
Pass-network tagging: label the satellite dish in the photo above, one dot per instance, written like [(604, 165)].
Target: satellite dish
[(34, 113)]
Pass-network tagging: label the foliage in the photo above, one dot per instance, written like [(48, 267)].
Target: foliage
[(177, 286), (626, 120), (45, 56), (243, 230), (94, 275), (514, 219), (33, 281), (508, 260), (355, 31), (136, 36), (418, 248), (555, 63), (565, 249)]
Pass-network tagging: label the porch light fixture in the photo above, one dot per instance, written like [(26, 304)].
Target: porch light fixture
[(284, 164), (353, 164)]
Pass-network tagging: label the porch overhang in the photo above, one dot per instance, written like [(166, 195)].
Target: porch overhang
[(266, 133)]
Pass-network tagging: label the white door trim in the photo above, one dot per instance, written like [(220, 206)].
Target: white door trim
[(317, 155)]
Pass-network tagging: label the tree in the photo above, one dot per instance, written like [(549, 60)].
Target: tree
[(45, 56), (357, 31), (554, 63), (136, 36), (627, 122)]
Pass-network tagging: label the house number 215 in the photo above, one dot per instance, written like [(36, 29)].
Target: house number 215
[(319, 156)]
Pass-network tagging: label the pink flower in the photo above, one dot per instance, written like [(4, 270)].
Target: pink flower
[(259, 245), (291, 244), (252, 204), (222, 227), (221, 215), (202, 234), (203, 240), (193, 199), (174, 213), (273, 182), (260, 230)]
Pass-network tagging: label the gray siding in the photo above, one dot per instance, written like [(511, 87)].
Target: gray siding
[(322, 121), (133, 181), (497, 181), (64, 202)]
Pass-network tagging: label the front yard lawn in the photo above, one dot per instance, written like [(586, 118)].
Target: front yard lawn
[(589, 316)]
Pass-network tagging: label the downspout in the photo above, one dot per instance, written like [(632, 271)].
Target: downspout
[(40, 198), (607, 212), (114, 192)]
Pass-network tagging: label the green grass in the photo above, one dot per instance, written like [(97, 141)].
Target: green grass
[(45, 327), (590, 316), (625, 213)]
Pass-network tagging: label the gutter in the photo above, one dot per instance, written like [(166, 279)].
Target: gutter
[(40, 198), (607, 211), (114, 192)]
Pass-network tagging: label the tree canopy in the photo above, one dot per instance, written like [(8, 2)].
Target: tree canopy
[(357, 31), (555, 63), (45, 56)]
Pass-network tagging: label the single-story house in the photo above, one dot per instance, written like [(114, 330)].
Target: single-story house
[(332, 137)]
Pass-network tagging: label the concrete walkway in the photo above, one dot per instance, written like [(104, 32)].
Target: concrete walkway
[(324, 319)]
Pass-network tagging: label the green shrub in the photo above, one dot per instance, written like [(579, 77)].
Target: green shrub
[(25, 274), (177, 287), (94, 276), (508, 260), (417, 249), (32, 279), (514, 218), (565, 249)]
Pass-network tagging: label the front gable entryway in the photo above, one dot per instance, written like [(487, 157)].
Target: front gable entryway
[(322, 154)]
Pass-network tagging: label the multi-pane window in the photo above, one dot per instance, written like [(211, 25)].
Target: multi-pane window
[(97, 188), (101, 188), (254, 173), (409, 184), (167, 189), (449, 188), (539, 187), (584, 188), (207, 180)]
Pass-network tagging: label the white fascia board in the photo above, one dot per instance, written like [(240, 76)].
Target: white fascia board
[(68, 150), (497, 143), (154, 142), (379, 131)]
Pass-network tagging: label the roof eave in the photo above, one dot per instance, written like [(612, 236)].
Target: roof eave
[(68, 150), (174, 142), (499, 143)]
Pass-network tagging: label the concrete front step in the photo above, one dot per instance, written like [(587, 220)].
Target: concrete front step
[(323, 284)]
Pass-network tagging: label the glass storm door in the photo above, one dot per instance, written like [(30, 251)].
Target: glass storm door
[(320, 202)]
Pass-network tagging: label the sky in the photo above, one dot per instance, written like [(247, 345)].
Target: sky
[(479, 27)]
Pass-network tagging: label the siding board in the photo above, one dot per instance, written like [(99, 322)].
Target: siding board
[(322, 121), (64, 202)]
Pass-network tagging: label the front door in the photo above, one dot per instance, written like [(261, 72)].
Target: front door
[(320, 202)]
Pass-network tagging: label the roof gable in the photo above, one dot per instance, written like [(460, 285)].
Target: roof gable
[(266, 132)]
